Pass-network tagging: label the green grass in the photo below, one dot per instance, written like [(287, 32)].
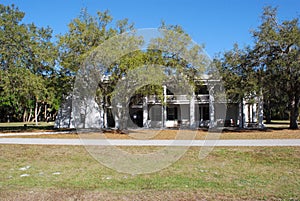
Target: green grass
[(21, 124), (227, 173), (277, 124), (25, 126)]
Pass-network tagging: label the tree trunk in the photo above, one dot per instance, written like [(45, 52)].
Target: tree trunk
[(53, 116), (30, 114), (36, 112), (25, 115), (268, 113), (39, 110), (260, 111), (123, 120), (45, 112), (294, 113), (241, 114), (105, 123)]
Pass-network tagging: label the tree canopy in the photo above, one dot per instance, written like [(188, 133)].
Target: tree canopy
[(270, 68), (27, 68), (37, 70)]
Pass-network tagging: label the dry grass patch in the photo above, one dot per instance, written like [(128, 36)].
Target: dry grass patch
[(70, 173), (171, 134), (269, 134), (79, 195)]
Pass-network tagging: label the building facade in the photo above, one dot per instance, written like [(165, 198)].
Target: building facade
[(201, 109)]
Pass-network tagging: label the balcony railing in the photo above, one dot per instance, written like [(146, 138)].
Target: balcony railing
[(203, 98), (177, 98)]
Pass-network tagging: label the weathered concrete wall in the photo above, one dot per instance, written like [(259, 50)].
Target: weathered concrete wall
[(90, 115)]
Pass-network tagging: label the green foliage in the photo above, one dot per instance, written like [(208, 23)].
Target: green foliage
[(239, 77), (27, 66), (270, 68), (85, 34), (181, 54), (277, 46), (36, 73)]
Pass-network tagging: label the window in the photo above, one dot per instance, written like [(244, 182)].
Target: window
[(202, 89), (172, 113)]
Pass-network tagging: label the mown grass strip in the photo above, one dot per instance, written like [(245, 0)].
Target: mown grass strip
[(234, 172)]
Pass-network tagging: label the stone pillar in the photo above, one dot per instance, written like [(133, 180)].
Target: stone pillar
[(192, 112), (245, 113), (145, 112), (254, 107), (164, 107)]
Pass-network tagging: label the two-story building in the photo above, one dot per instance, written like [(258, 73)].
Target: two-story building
[(202, 109)]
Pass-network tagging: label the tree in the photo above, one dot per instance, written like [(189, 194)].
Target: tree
[(85, 34), (180, 62), (277, 46), (270, 69), (27, 66), (121, 55), (240, 77)]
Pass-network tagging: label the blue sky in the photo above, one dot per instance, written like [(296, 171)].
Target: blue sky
[(216, 23)]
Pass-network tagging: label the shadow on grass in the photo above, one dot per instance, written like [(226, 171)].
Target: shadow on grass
[(266, 129), (30, 128)]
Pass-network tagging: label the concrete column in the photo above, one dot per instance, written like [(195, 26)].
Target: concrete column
[(164, 107), (254, 107), (245, 113), (211, 108), (192, 112), (145, 112)]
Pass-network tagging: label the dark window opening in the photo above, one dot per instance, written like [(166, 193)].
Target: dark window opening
[(201, 90), (172, 113)]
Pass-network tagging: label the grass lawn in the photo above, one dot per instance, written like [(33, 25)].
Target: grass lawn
[(21, 124), (33, 172), (26, 126)]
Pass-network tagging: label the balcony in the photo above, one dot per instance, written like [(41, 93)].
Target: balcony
[(180, 99), (202, 98)]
